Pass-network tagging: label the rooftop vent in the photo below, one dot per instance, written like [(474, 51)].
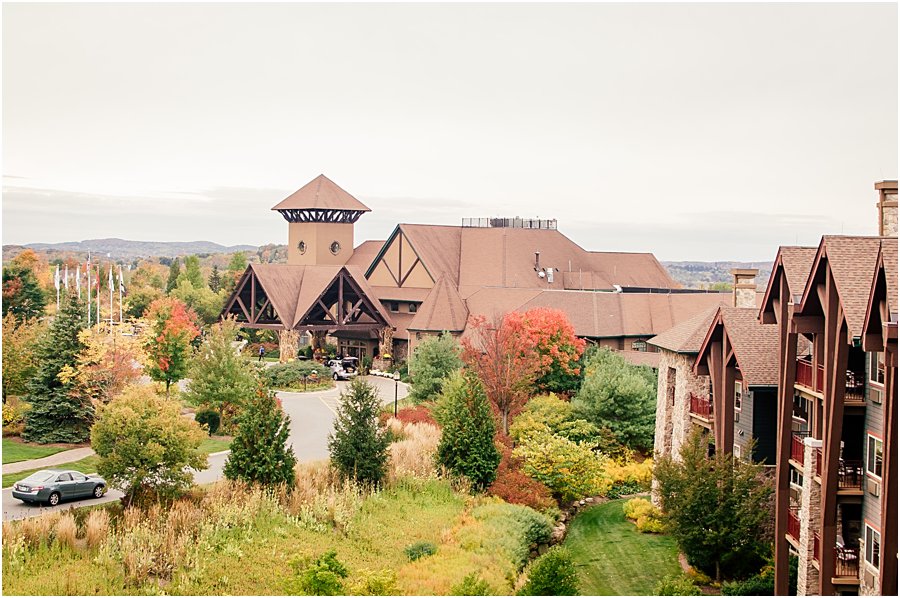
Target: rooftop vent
[(543, 224)]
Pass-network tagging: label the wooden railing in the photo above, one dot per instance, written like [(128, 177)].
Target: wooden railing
[(701, 407), (812, 376), (850, 475), (797, 446), (819, 459), (805, 373), (794, 524), (846, 561)]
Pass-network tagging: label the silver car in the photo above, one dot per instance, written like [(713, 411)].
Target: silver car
[(54, 485)]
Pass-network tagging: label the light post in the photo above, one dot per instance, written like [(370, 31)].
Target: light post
[(396, 384)]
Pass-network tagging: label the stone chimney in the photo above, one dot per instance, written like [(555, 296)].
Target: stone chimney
[(887, 208), (744, 287)]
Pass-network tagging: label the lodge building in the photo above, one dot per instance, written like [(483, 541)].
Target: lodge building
[(816, 363), (378, 299)]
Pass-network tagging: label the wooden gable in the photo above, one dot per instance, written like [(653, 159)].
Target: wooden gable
[(398, 265)]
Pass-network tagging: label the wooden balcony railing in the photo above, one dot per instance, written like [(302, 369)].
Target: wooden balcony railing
[(850, 475), (797, 446), (794, 524), (819, 459), (816, 545), (812, 376), (805, 373), (701, 407), (846, 561)]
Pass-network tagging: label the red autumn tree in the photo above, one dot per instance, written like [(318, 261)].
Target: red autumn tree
[(557, 348), (504, 358), (168, 344)]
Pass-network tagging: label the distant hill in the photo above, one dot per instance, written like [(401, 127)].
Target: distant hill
[(696, 275), (121, 249)]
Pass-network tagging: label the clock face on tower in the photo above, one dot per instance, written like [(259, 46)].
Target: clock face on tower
[(335, 247), (301, 247)]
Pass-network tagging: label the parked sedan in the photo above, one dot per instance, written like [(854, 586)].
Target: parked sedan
[(53, 485)]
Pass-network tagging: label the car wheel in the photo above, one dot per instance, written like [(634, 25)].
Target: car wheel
[(53, 500), (98, 491)]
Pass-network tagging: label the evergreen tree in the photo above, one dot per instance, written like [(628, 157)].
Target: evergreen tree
[(174, 273), (358, 446), (260, 452), (22, 294), (432, 361), (220, 378), (467, 440), (215, 280), (58, 414)]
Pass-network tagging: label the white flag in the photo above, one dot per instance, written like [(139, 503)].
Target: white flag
[(78, 279), (56, 278), (66, 279), (121, 281)]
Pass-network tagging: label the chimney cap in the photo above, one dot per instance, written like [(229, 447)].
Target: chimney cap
[(744, 271), (886, 185)]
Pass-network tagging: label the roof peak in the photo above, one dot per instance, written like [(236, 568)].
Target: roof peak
[(321, 193)]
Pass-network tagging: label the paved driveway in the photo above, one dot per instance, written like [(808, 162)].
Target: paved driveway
[(312, 419)]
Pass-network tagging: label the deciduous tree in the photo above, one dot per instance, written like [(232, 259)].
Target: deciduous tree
[(558, 349), (467, 438), (174, 273), (58, 412), (504, 359), (716, 508), (432, 361), (145, 445), (192, 272), (220, 378), (168, 340), (20, 345), (106, 365), (22, 293)]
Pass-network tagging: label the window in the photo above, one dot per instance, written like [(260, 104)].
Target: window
[(737, 395), (670, 386), (394, 306), (873, 546), (64, 477), (873, 456), (876, 368), (736, 451), (413, 308), (796, 478), (639, 346), (78, 477)]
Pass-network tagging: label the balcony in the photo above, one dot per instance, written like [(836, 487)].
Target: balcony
[(846, 562), (812, 377), (793, 524), (850, 476), (855, 394), (701, 407), (797, 446)]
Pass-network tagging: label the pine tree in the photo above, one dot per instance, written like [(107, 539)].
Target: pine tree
[(22, 293), (174, 272), (260, 452), (58, 414), (215, 280), (359, 449), (467, 440)]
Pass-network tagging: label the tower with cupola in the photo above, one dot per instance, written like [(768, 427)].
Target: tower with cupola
[(320, 219)]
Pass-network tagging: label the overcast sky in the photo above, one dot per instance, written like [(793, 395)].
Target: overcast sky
[(707, 132)]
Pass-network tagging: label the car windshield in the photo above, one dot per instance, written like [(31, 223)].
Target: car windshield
[(39, 476)]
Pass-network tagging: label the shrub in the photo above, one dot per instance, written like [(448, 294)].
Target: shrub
[(676, 585), (322, 576), (416, 551), (650, 524), (763, 583), (373, 583), (513, 486), (472, 585), (552, 574), (432, 361), (550, 413), (513, 529), (358, 447), (145, 445), (209, 419), (260, 452), (414, 453), (467, 440), (636, 507), (570, 470), (14, 410), (419, 414), (290, 375)]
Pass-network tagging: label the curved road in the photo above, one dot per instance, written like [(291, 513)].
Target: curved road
[(312, 418)]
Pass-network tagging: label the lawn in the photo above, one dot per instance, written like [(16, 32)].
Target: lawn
[(215, 444), (16, 450), (613, 558)]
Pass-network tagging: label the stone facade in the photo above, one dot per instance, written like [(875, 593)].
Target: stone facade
[(887, 212), (810, 508)]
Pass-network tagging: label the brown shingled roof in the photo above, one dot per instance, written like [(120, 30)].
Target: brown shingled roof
[(644, 358), (365, 253), (686, 337), (443, 309), (321, 193), (755, 345), (797, 262)]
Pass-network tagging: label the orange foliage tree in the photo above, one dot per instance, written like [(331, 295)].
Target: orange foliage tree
[(168, 343), (555, 345)]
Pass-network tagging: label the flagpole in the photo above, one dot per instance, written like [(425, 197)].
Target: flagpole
[(110, 298), (121, 286), (66, 279), (88, 270), (56, 283), (98, 294)]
